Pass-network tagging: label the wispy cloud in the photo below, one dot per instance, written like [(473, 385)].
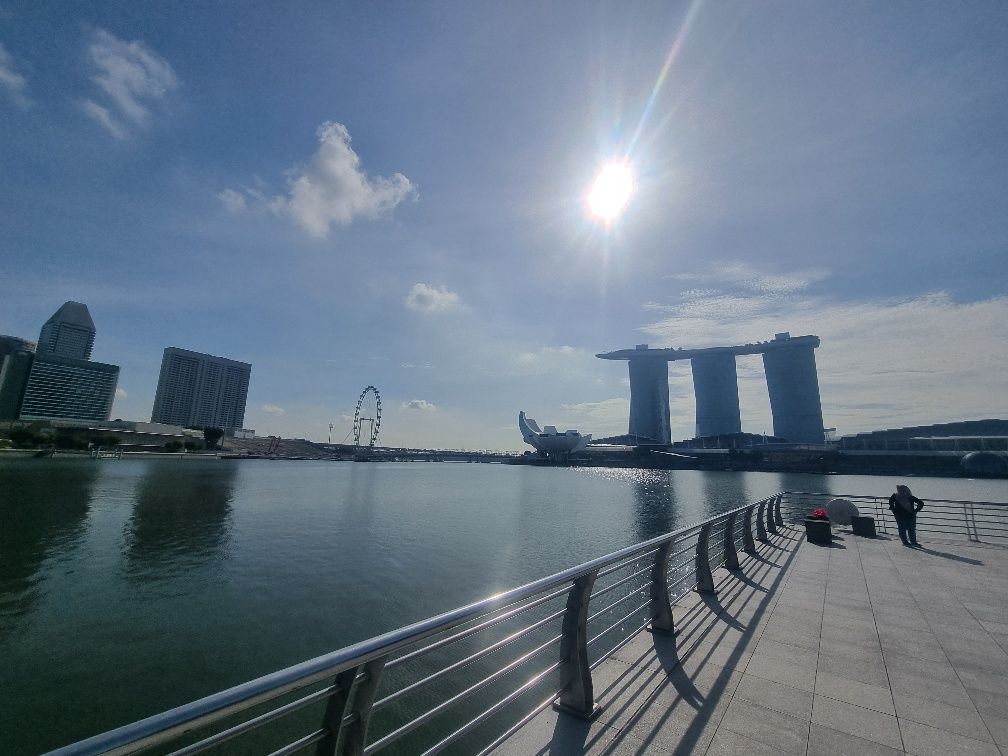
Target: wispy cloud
[(11, 80), (882, 363), (272, 409), (608, 417), (120, 393), (234, 202), (421, 405), (332, 188), (133, 79), (426, 298)]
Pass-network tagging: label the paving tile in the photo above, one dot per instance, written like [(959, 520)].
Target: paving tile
[(857, 721), (941, 671), (786, 653), (796, 676), (866, 669), (998, 728), (955, 719), (824, 741), (952, 693), (766, 726), (874, 697), (728, 743), (793, 635), (849, 636), (930, 741), (989, 681), (774, 695)]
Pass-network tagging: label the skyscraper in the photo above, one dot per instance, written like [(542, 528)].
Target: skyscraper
[(201, 390), (15, 364), (69, 389), (59, 381), (70, 332)]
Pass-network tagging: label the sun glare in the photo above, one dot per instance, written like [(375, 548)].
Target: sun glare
[(610, 191)]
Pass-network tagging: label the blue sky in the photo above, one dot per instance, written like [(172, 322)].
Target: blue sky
[(393, 194)]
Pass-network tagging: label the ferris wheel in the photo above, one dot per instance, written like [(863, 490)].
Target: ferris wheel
[(368, 413)]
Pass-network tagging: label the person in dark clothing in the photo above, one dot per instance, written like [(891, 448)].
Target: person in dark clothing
[(905, 506)]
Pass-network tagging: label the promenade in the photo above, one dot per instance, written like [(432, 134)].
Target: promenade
[(864, 647)]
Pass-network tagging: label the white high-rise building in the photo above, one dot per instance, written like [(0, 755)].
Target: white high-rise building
[(201, 390)]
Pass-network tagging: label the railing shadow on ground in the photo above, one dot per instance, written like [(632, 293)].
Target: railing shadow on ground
[(947, 555), (694, 643)]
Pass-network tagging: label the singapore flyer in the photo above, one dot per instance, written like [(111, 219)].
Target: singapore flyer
[(368, 413)]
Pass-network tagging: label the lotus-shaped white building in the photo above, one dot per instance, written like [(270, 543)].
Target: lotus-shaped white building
[(549, 441)]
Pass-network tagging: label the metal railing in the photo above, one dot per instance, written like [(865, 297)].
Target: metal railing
[(977, 521), (493, 665)]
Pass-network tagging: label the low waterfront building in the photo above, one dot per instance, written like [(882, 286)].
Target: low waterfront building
[(201, 390)]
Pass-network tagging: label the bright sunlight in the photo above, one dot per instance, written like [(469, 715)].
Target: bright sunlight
[(610, 191)]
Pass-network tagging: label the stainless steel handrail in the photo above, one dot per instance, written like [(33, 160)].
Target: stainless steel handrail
[(977, 520), (168, 726)]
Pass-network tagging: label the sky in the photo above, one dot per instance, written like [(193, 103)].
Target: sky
[(393, 194)]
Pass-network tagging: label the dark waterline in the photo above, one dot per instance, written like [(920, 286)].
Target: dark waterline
[(127, 587)]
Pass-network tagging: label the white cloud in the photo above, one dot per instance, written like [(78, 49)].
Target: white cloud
[(419, 404), (733, 274), (14, 82), (330, 189), (882, 363), (120, 393), (234, 202), (561, 362), (272, 409), (425, 298), (608, 417), (133, 78)]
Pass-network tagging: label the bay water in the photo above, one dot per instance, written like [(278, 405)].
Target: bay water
[(131, 586)]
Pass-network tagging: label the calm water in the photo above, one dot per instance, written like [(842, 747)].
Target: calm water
[(127, 587)]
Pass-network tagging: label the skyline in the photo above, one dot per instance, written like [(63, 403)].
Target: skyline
[(399, 199)]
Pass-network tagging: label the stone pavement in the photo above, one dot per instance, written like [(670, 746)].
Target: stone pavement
[(864, 647)]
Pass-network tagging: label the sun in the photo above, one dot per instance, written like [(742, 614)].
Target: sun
[(610, 192)]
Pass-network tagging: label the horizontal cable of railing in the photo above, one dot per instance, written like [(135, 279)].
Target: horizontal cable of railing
[(670, 561), (977, 520)]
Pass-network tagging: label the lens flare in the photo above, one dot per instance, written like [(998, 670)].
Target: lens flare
[(610, 192)]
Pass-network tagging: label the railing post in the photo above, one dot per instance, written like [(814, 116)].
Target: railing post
[(771, 524), (578, 698), (661, 609), (705, 580), (730, 554), (777, 515), (761, 522), (748, 545), (355, 731)]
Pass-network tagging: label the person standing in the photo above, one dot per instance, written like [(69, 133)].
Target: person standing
[(905, 506)]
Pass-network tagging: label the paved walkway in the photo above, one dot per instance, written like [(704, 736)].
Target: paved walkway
[(861, 648)]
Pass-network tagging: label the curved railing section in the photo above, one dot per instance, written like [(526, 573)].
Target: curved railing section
[(976, 521), (467, 679)]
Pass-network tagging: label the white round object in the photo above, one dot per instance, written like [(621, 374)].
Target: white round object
[(841, 511)]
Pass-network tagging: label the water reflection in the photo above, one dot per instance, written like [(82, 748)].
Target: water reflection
[(655, 511), (723, 491), (181, 519), (43, 509)]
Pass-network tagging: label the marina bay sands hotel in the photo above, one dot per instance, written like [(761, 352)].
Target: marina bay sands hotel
[(791, 376)]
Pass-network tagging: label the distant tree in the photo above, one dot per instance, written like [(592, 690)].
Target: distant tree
[(191, 446), (173, 446), (212, 436)]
